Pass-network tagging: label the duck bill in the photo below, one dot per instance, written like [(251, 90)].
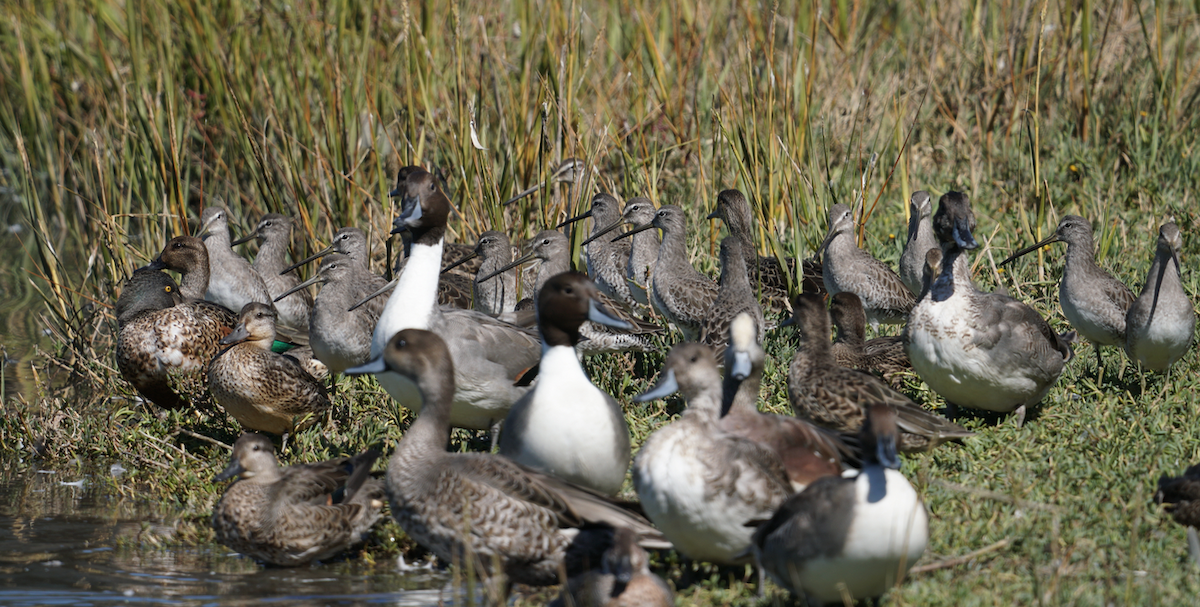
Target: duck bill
[(666, 386), (237, 336), (368, 368), (1029, 249), (460, 262), (312, 281), (234, 469), (641, 228), (606, 229), (244, 239), (155, 264), (885, 451), (381, 291), (315, 256), (740, 366), (714, 215), (579, 217), (526, 258), (410, 214), (962, 234), (598, 314)]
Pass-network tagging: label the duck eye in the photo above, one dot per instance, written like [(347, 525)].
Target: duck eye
[(167, 289)]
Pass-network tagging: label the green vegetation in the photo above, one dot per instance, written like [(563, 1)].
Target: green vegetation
[(119, 121)]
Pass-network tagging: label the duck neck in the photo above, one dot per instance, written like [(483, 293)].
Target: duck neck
[(194, 281), (414, 299), (955, 274), (740, 396), (430, 433), (706, 400)]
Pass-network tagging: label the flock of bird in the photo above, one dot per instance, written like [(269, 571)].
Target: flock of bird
[(815, 499)]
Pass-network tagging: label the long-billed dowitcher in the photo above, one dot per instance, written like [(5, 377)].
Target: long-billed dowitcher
[(274, 234), (920, 240), (606, 259), (231, 282), (643, 248), (1161, 323), (845, 267), (734, 297)]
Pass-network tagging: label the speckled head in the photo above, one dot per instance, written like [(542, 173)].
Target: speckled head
[(256, 324)]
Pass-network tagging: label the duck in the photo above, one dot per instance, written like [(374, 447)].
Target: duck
[(920, 240), (735, 296), (838, 398), (489, 353), (1093, 301), (1180, 496), (979, 350), (232, 282), (516, 523), (622, 579), (565, 425), (698, 483), (680, 293), (1161, 322), (299, 514), (263, 390), (808, 452), (848, 537), (643, 248), (160, 334), (274, 235), (845, 267), (884, 356), (338, 338), (606, 259)]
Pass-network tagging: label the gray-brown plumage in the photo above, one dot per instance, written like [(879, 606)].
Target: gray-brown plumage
[(160, 335), (622, 578), (498, 295), (263, 390), (1093, 301), (920, 240), (606, 259), (274, 234), (232, 282), (807, 452), (836, 397), (1161, 323), (680, 293), (348, 241), (845, 267), (884, 356), (514, 521), (287, 516), (734, 297)]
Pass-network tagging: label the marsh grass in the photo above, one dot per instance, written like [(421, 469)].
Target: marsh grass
[(119, 121)]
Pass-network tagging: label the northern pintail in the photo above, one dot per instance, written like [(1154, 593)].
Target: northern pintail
[(698, 483), (838, 398), (565, 425), (263, 390), (807, 452), (231, 282), (488, 353), (734, 297), (1161, 323), (767, 276), (680, 293), (622, 579), (979, 350), (1180, 496), (1093, 301), (643, 248), (338, 338), (884, 356), (850, 537), (160, 335), (920, 240), (495, 296), (845, 267), (295, 515), (510, 519), (606, 259), (274, 234)]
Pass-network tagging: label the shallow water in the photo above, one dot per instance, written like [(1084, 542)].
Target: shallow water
[(72, 538)]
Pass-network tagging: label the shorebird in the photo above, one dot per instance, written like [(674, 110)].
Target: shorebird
[(295, 515), (510, 520), (848, 537), (496, 296), (1181, 497), (643, 248), (565, 425), (845, 267), (734, 297), (622, 579), (606, 259), (920, 240), (837, 398), (1161, 323), (232, 282), (263, 390), (979, 350), (1093, 301), (571, 171), (698, 483), (160, 334), (884, 356), (348, 241), (274, 234), (488, 353), (683, 295)]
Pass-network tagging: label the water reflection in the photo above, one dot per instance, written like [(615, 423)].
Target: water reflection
[(86, 544)]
